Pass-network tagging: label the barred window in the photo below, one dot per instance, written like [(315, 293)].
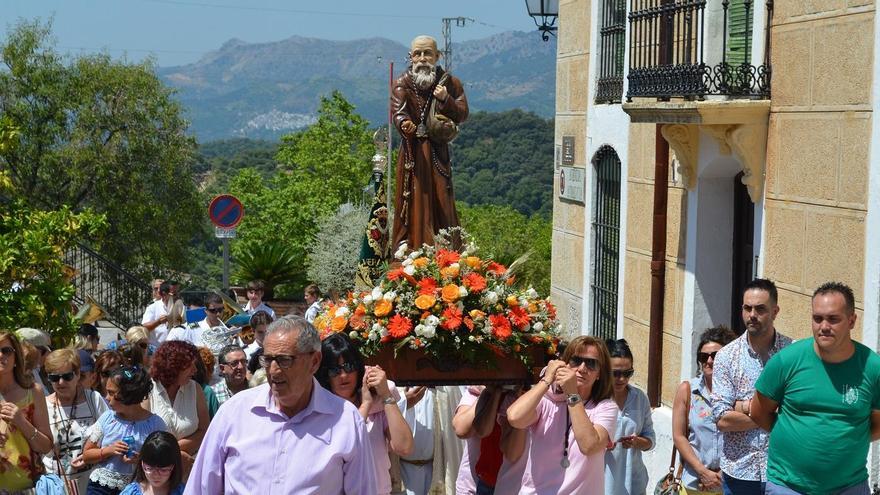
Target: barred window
[(612, 31), (606, 242)]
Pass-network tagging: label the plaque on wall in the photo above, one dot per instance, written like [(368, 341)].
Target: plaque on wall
[(568, 150), (572, 183)]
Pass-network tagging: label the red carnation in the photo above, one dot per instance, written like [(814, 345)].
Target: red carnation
[(399, 326), (519, 316), (427, 286), (446, 257), (500, 326), (452, 318), (474, 282), (496, 269)]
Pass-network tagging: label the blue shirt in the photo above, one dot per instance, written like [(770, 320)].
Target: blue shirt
[(737, 368), (625, 472), (134, 488), (703, 434), (109, 429)]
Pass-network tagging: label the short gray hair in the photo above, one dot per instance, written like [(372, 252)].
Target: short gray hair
[(307, 339)]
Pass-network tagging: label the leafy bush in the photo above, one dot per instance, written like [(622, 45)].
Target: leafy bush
[(335, 252), (273, 262)]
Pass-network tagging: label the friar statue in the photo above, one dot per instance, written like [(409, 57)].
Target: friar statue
[(424, 202)]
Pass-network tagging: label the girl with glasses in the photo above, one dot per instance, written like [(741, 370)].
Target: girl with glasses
[(342, 372), (24, 423), (693, 429), (625, 472), (115, 440), (72, 410), (159, 471), (570, 416)]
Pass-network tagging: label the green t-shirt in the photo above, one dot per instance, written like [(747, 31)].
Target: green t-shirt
[(819, 443)]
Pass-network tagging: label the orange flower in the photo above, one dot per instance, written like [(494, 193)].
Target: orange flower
[(450, 293), (496, 268), (469, 323), (339, 323), (357, 322), (420, 262), (360, 310), (519, 317), (452, 318), (399, 326), (551, 310), (512, 301), (382, 308), (473, 261), (395, 274), (500, 326), (474, 282), (427, 286), (425, 301), (449, 272), (446, 257)]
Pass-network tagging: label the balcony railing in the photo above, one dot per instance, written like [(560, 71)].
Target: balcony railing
[(673, 54), (612, 34)]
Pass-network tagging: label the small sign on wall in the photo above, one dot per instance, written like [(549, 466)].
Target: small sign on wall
[(572, 181), (568, 150)]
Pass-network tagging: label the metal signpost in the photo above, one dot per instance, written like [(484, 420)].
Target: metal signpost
[(225, 212)]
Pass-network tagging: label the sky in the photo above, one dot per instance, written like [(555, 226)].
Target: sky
[(177, 32)]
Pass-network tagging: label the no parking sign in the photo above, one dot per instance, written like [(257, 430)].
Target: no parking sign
[(225, 211)]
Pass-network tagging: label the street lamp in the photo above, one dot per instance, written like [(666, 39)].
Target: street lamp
[(548, 11)]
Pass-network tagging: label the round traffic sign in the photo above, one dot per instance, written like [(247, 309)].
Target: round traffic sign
[(225, 211)]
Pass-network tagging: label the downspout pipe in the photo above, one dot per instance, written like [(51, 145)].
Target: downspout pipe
[(658, 267)]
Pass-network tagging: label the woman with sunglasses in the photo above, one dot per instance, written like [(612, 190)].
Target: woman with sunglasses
[(115, 440), (570, 415), (160, 471), (24, 423), (342, 372), (72, 410), (625, 472), (105, 363), (693, 430)]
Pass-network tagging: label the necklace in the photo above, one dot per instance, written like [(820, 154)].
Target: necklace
[(565, 462), (65, 427)]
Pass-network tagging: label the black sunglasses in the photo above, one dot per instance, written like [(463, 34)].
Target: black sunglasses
[(7, 350), (703, 357), (338, 370), (623, 373), (214, 310), (56, 377), (577, 361)]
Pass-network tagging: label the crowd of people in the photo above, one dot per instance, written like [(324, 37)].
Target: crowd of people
[(191, 408)]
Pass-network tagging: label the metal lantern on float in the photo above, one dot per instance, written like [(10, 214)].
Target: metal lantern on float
[(548, 12)]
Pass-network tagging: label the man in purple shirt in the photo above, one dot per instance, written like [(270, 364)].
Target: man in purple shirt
[(288, 435)]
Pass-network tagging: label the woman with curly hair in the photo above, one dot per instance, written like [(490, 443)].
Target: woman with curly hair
[(177, 398)]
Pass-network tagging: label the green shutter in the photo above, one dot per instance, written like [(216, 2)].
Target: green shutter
[(737, 28)]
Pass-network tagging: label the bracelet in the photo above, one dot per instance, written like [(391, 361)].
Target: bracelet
[(389, 401), (749, 410), (544, 381), (34, 434)]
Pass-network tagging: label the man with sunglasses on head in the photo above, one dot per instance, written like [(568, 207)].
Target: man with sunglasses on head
[(233, 369), (296, 436), (737, 367), (156, 314)]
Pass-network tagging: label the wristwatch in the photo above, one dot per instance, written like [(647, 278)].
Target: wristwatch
[(574, 399), (388, 401)]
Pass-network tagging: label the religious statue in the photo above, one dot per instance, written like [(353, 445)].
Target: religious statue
[(427, 103)]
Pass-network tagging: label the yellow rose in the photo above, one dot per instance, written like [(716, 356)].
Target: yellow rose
[(382, 308), (512, 301), (420, 262), (450, 271), (473, 261), (477, 314), (425, 301), (339, 323), (450, 293)]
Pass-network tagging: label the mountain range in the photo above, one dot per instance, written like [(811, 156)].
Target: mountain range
[(265, 90)]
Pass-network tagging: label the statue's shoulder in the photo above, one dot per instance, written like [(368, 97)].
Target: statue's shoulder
[(402, 79)]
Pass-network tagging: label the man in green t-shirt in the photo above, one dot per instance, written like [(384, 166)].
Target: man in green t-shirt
[(820, 400)]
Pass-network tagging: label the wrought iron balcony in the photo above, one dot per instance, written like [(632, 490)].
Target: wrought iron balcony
[(674, 53)]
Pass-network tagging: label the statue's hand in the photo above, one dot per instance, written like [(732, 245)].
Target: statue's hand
[(440, 93), (408, 127)]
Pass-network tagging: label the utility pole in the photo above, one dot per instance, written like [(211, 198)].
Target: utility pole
[(447, 36)]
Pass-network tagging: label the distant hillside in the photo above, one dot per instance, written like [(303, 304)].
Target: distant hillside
[(268, 89)]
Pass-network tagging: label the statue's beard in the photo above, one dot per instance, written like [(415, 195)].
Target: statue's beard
[(423, 75)]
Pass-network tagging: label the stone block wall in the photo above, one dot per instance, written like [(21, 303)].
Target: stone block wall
[(817, 152)]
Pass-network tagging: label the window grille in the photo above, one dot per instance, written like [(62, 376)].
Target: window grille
[(612, 31), (606, 242)]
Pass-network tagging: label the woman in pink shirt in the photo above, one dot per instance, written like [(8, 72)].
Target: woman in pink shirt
[(343, 372), (569, 414)]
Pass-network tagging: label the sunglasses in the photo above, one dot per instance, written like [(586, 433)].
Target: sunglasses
[(338, 370), (214, 310), (155, 469), (577, 361), (283, 361), (623, 373), (703, 357), (7, 351), (56, 377)]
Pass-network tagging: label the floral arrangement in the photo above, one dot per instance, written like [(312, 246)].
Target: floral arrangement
[(450, 303)]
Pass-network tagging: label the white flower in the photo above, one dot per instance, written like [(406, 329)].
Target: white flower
[(538, 326), (377, 327), (401, 250), (407, 262), (383, 332), (341, 311), (462, 291), (432, 321), (491, 297), (419, 329), (409, 269), (390, 295), (377, 293), (429, 331), (353, 334), (368, 299), (455, 266), (532, 293)]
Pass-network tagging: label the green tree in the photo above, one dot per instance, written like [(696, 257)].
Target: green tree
[(103, 135), (35, 288), (321, 167), (505, 234)]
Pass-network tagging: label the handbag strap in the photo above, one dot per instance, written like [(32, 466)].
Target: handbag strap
[(686, 427)]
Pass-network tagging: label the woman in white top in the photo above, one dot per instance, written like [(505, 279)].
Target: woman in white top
[(177, 399), (72, 409)]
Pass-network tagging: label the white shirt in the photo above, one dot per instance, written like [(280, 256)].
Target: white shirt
[(420, 419), (155, 311), (182, 417), (251, 349), (187, 333), (261, 307), (313, 310)]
